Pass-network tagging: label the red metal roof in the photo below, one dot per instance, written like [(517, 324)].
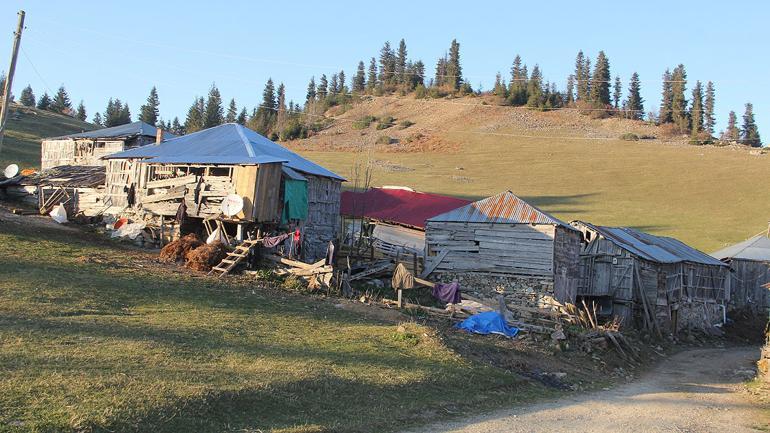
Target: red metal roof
[(400, 206)]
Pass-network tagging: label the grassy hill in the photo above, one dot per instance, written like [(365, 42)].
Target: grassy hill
[(571, 165), (26, 127)]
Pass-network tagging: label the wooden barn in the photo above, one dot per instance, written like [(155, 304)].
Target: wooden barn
[(651, 282), (392, 217), (504, 241), (278, 187), (750, 273), (87, 148)]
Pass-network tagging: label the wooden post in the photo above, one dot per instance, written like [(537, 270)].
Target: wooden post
[(400, 299), (9, 79), (161, 231), (415, 271)]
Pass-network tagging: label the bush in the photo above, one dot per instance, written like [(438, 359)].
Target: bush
[(629, 136), (364, 122), (385, 122), (384, 139), (405, 124), (647, 137), (420, 92), (293, 131)]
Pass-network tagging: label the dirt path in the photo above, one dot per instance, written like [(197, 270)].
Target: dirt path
[(693, 391)]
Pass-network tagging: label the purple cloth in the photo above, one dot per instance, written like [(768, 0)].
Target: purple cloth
[(270, 242), (449, 293)]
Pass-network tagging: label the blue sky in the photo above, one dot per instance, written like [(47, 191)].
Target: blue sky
[(121, 49)]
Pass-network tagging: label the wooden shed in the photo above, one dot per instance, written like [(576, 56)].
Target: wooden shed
[(507, 239), (750, 273), (651, 282), (87, 148), (278, 187)]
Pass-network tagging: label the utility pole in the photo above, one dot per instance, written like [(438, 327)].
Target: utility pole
[(9, 79)]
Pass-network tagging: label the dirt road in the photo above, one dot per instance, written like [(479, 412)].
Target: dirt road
[(693, 391)]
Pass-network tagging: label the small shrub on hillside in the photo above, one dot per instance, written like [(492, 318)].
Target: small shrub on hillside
[(293, 131), (413, 137), (647, 137), (420, 92), (629, 136), (385, 122), (405, 124), (364, 122), (384, 139)]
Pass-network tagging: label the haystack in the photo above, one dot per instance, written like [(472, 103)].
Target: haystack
[(177, 250), (205, 257)]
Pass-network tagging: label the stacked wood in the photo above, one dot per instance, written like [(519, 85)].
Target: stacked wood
[(163, 196), (317, 275)]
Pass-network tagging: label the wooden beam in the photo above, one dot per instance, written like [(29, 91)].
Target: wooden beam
[(429, 267), (174, 181)]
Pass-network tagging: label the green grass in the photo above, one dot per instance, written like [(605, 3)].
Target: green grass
[(26, 127), (706, 196), (97, 337)]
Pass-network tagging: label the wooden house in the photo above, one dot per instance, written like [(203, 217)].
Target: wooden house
[(392, 217), (750, 273), (87, 148), (507, 242), (278, 187), (651, 282)]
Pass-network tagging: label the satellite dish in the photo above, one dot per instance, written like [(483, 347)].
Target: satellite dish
[(11, 171), (232, 204)]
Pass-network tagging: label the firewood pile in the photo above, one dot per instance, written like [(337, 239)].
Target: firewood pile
[(317, 275)]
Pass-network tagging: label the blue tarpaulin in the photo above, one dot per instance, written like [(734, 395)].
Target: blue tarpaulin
[(490, 322)]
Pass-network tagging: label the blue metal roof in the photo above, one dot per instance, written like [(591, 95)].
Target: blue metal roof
[(659, 249), (230, 143), (127, 130), (505, 208)]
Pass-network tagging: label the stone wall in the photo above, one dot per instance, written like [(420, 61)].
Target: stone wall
[(517, 290), (763, 365), (698, 315)]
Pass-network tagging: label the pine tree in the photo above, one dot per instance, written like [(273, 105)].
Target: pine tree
[(263, 120), (499, 88), (148, 113), (678, 100), (417, 74), (749, 130), (359, 80), (634, 103), (232, 112), (242, 117), (582, 77), (125, 115), (111, 113), (321, 90), (342, 89), (616, 93), (731, 133), (213, 114), (696, 110), (517, 87), (27, 97), (708, 111), (454, 71), (176, 127), (281, 108), (570, 94), (666, 100), (194, 120), (81, 112), (600, 81), (311, 93), (535, 89), (387, 65), (441, 72), (400, 69), (333, 85), (61, 102), (97, 119), (371, 79)]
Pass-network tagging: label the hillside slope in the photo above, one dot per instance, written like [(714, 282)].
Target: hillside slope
[(26, 127), (567, 163)]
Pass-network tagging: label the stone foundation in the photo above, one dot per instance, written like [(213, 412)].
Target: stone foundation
[(517, 290), (698, 315)]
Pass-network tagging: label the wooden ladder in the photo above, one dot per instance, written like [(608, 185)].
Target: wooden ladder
[(233, 258)]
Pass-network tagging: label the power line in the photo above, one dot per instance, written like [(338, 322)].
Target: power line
[(23, 52)]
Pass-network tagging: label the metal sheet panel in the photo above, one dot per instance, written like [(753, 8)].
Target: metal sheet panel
[(756, 248), (127, 130)]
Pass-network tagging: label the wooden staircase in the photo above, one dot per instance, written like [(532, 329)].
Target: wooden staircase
[(233, 258)]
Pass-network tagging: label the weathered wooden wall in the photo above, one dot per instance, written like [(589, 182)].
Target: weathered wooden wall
[(501, 249), (54, 153), (566, 264), (747, 285), (89, 201), (323, 213)]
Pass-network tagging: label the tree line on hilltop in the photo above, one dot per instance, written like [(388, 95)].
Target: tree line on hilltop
[(590, 89)]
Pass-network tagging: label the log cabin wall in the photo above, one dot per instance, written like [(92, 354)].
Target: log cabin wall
[(566, 263), (54, 153), (747, 285), (323, 213)]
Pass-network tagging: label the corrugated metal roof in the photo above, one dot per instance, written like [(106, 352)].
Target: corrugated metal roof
[(230, 143), (127, 130), (659, 249), (291, 174), (755, 248), (505, 207)]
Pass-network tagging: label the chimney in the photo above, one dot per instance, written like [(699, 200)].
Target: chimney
[(158, 136)]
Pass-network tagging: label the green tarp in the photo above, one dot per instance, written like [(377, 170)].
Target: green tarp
[(294, 200)]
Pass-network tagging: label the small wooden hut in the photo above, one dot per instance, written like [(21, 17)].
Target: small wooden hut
[(750, 273), (87, 148), (651, 282), (392, 217), (504, 242), (278, 187)]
